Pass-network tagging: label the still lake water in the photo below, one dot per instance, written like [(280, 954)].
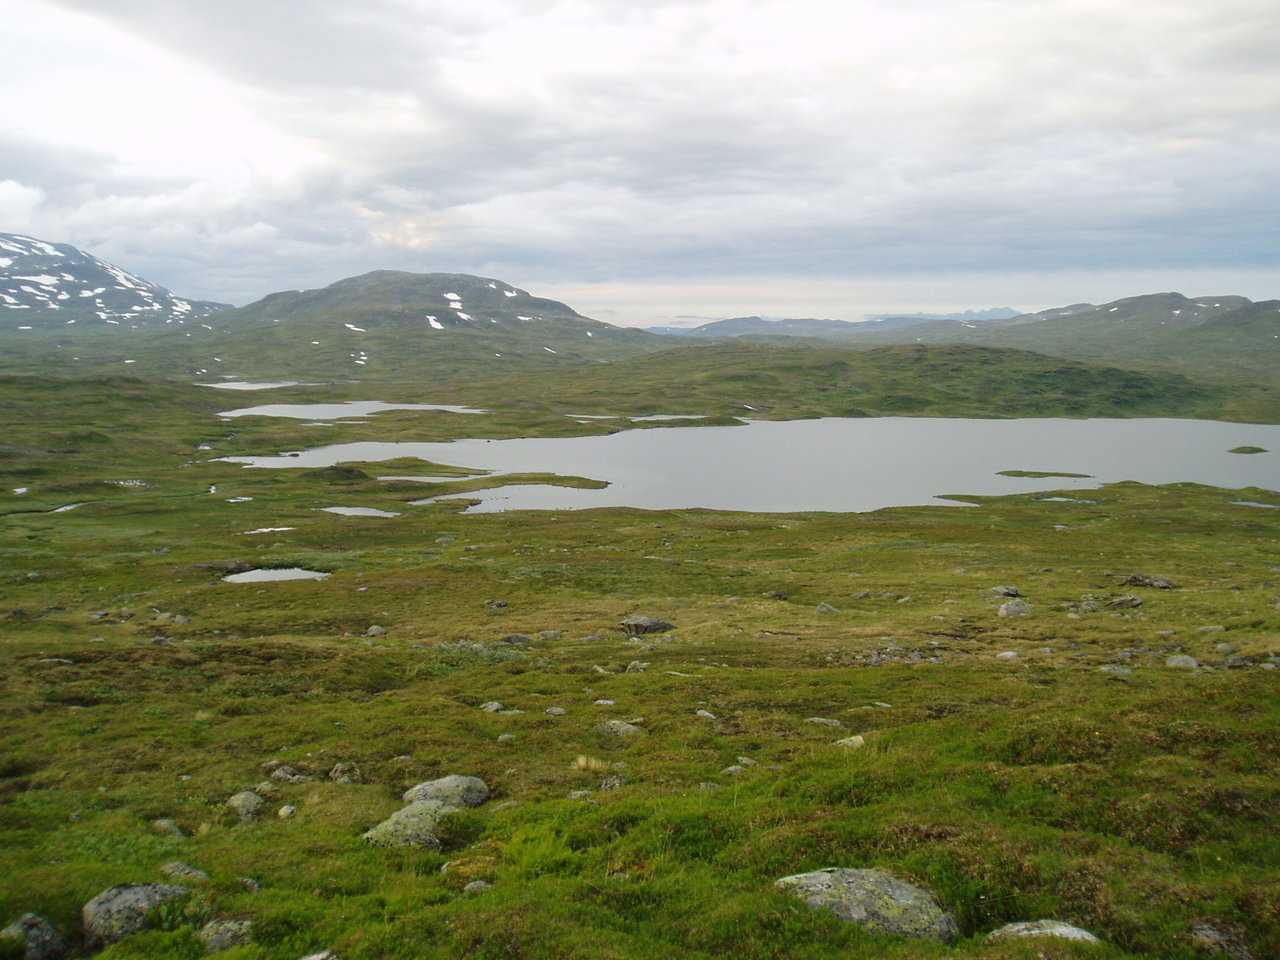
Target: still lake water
[(838, 464)]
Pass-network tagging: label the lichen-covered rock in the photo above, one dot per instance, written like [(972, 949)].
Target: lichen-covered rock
[(412, 826), (246, 804), (114, 914), (182, 871), (168, 828), (639, 625), (40, 939), (219, 935), (1182, 661), (454, 789), (1003, 593), (1014, 608), (344, 772), (1150, 580), (1041, 928), (617, 728), (875, 900)]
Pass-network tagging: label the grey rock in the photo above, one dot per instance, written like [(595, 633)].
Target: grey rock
[(219, 935), (40, 939), (1117, 669), (824, 721), (856, 742), (705, 714), (168, 828), (286, 774), (551, 634), (732, 770), (617, 728), (875, 900), (826, 609), (455, 789), (376, 631), (1124, 603), (1211, 628), (614, 782), (516, 638), (477, 886), (1150, 580), (182, 871), (246, 804), (1014, 608), (1007, 655), (1220, 940), (1041, 928), (639, 625), (412, 826), (998, 593), (344, 772), (493, 706), (325, 954), (116, 913), (287, 812), (636, 666), (605, 703), (1224, 649), (249, 884), (555, 711), (1181, 660)]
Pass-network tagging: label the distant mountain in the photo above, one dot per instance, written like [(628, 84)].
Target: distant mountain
[(1217, 334), (994, 313), (385, 324), (668, 331), (760, 327), (50, 285)]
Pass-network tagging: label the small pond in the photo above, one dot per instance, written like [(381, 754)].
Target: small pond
[(279, 573), (352, 408)]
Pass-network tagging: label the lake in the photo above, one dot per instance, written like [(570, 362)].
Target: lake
[(838, 464)]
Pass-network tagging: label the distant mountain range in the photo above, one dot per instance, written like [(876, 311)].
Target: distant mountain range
[(45, 285), (59, 304)]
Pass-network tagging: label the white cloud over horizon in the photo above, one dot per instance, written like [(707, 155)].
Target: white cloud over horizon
[(685, 156)]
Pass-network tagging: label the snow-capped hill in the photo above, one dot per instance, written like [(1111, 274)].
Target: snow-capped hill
[(46, 285)]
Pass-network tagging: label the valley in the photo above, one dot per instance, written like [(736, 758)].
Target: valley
[(1057, 702)]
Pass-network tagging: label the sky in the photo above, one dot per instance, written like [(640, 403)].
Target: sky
[(657, 162)]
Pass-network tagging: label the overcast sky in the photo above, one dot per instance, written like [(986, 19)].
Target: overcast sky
[(647, 160)]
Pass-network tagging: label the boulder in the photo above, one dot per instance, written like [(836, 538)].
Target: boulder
[(1003, 592), (617, 728), (457, 790), (168, 828), (182, 871), (826, 609), (638, 625), (39, 938), (412, 826), (344, 772), (856, 742), (246, 804), (875, 900), (219, 935), (1014, 608), (1182, 661), (114, 914), (1150, 580), (1041, 928)]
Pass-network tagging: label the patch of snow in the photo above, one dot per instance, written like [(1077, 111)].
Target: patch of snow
[(264, 530), (436, 324), (42, 279), (518, 317), (508, 293), (548, 349), (239, 499), (590, 334), (20, 489), (464, 316), (452, 296), (352, 326), (1113, 310), (24, 328)]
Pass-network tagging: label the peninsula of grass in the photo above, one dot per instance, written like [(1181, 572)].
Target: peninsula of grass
[(1247, 449), (1042, 474)]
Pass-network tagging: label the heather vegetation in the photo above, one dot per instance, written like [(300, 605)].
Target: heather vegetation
[(981, 699)]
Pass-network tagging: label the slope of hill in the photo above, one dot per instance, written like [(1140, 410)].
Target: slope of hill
[(1221, 336), (757, 380), (46, 286), (381, 325)]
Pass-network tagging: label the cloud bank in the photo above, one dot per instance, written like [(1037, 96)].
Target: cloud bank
[(228, 150)]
